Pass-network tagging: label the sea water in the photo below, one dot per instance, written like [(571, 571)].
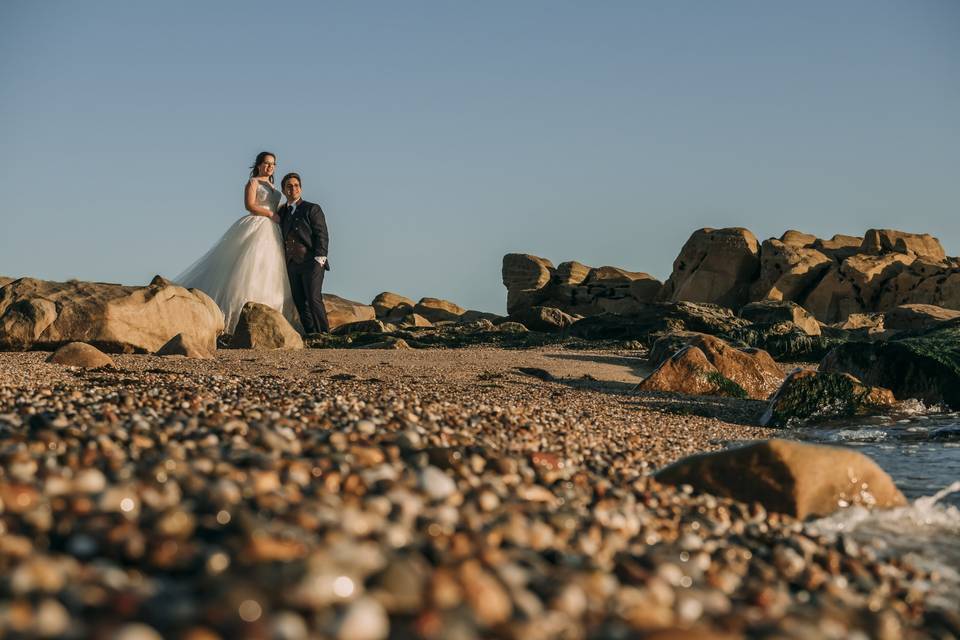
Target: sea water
[(921, 452)]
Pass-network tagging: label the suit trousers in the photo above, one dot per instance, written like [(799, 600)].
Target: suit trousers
[(306, 286)]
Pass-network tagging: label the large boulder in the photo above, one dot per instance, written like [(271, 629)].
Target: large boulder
[(263, 327), (788, 477), (877, 241), (854, 286), (689, 371), (715, 265), (571, 272), (793, 238), (771, 312), (752, 369), (654, 319), (38, 314), (923, 365), (546, 319), (839, 247), (181, 345), (911, 317), (788, 271), (385, 303), (808, 396), (79, 354), (437, 310), (342, 311), (524, 276)]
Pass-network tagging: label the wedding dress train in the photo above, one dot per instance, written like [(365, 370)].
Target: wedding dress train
[(246, 264)]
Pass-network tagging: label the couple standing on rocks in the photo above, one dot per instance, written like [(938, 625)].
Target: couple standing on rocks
[(276, 255)]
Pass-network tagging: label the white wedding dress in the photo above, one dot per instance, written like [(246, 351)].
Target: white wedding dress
[(246, 264)]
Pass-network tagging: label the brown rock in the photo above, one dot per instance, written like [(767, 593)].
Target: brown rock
[(386, 302), (389, 342), (615, 274), (180, 345), (545, 319), (715, 265), (342, 311), (788, 477), (839, 247), (78, 354), (524, 276), (770, 312), (645, 288), (263, 327), (571, 272), (879, 241), (4, 281), (909, 317), (753, 369), (787, 271), (688, 371), (414, 320), (437, 310), (113, 317), (24, 322), (797, 239)]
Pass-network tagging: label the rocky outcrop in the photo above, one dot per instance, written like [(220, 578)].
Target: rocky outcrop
[(181, 345), (769, 312), (79, 354), (808, 396), (574, 288), (437, 310), (543, 319), (655, 319), (342, 311), (387, 304), (794, 478), (715, 265), (263, 327), (4, 281), (524, 276), (923, 365), (881, 241), (913, 317), (832, 279), (690, 372), (752, 370), (788, 270), (37, 314)]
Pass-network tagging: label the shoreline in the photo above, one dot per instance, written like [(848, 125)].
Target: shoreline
[(447, 488)]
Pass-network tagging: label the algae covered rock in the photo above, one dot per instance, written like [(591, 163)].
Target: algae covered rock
[(795, 478), (923, 365), (806, 396), (689, 371)]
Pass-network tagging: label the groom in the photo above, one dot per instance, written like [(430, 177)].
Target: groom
[(305, 239)]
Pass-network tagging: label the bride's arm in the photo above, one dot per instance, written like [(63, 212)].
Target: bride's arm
[(250, 201)]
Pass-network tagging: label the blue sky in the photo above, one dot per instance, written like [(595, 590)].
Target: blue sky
[(440, 135)]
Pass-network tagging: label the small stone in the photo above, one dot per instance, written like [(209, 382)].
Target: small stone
[(436, 484), (364, 619)]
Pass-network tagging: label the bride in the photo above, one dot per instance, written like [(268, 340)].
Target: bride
[(248, 262)]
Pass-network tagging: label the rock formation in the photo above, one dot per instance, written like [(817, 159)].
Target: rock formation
[(342, 311), (79, 354), (832, 279), (806, 396), (574, 288), (263, 327), (37, 314), (788, 477)]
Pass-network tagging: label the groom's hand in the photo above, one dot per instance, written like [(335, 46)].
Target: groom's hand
[(321, 260)]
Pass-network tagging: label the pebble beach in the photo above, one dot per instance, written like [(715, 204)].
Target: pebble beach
[(371, 494)]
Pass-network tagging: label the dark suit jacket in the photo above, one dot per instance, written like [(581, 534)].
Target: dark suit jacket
[(308, 227)]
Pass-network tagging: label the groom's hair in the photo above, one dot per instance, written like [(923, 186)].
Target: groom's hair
[(283, 183)]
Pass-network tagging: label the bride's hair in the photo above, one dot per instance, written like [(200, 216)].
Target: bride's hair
[(256, 163)]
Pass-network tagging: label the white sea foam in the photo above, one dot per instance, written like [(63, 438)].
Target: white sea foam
[(926, 531)]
